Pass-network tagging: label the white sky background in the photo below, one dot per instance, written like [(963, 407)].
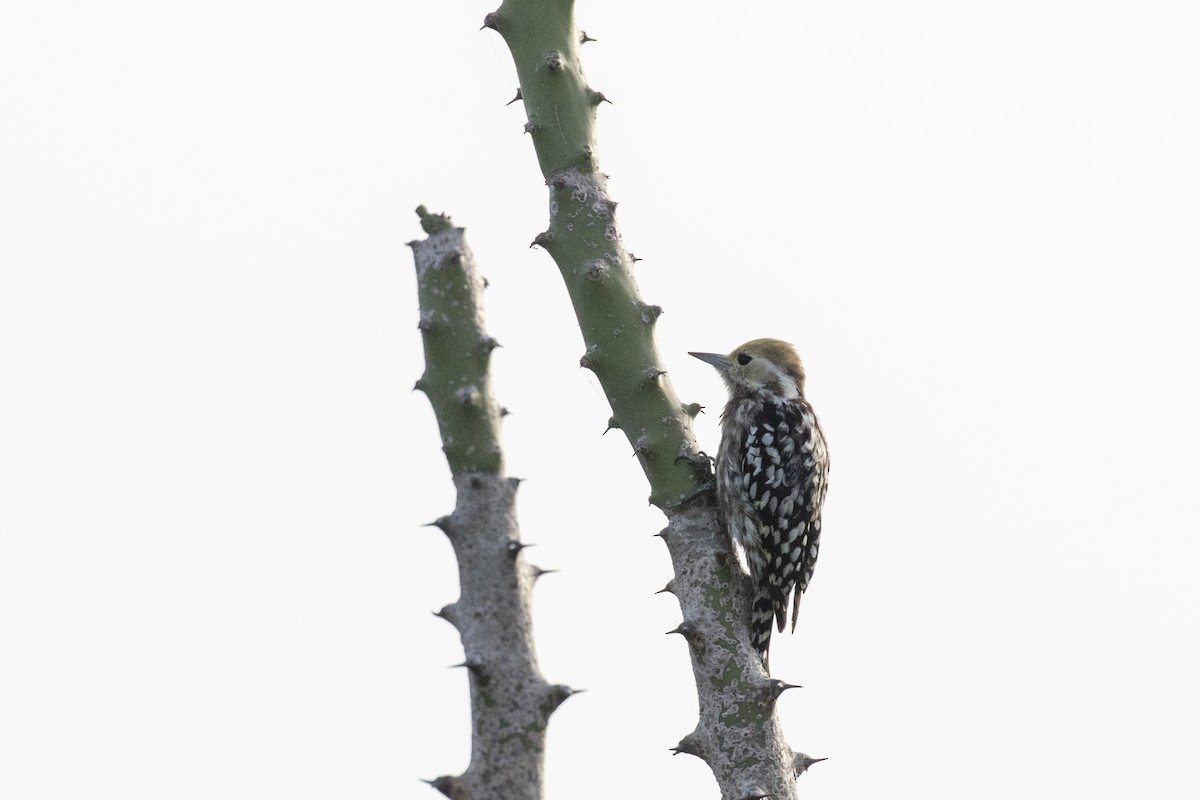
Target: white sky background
[(978, 222)]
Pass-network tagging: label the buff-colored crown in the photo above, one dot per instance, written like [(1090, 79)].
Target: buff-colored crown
[(760, 365)]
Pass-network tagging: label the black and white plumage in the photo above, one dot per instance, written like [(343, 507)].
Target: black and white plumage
[(772, 470)]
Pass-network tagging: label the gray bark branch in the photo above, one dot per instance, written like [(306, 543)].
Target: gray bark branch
[(511, 702)]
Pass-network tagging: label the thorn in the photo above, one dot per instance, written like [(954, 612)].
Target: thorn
[(688, 744), (802, 761), (515, 99), (513, 547), (634, 258), (598, 97), (446, 784), (655, 373), (553, 61), (489, 344), (612, 425), (539, 572), (441, 523), (584, 38), (419, 386), (774, 688), (684, 629), (558, 695), (542, 240), (585, 360), (663, 533), (486, 283), (448, 613), (515, 483), (489, 21), (530, 127), (472, 662), (693, 409), (641, 447), (425, 321), (668, 589), (504, 412), (650, 313)]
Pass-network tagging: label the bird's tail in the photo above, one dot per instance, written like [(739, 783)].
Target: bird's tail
[(770, 609), (762, 618)]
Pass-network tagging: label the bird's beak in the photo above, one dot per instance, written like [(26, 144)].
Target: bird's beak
[(716, 359)]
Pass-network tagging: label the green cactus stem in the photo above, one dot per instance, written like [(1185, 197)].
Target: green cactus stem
[(457, 348)]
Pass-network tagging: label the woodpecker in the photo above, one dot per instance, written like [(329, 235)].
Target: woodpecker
[(772, 470)]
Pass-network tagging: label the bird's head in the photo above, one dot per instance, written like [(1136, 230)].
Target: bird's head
[(760, 366)]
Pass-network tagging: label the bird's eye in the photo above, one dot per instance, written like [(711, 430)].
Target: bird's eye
[(744, 359)]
